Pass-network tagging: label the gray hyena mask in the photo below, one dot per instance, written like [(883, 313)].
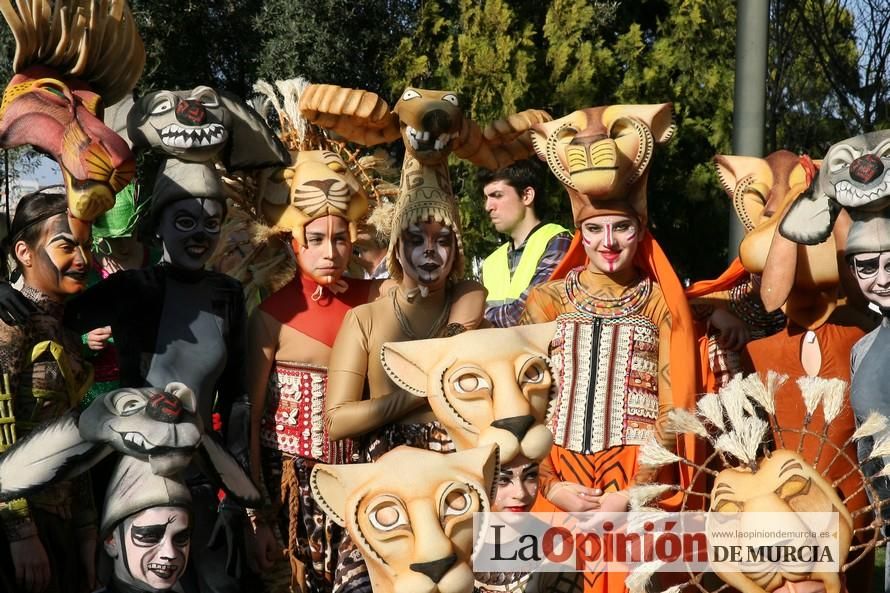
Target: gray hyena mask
[(855, 175), (156, 426)]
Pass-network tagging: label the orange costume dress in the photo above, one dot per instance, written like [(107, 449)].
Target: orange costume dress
[(623, 357)]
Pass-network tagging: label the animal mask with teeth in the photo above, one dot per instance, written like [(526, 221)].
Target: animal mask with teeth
[(158, 428), (202, 124), (854, 176)]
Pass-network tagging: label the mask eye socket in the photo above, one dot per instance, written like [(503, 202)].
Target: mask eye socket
[(387, 515), (410, 94), (841, 158), (54, 90), (793, 486), (207, 98), (162, 105), (534, 373), (456, 502), (185, 223), (451, 99), (127, 404), (469, 382), (212, 225), (183, 538), (865, 267)]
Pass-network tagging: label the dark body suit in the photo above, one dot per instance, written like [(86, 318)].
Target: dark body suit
[(169, 325)]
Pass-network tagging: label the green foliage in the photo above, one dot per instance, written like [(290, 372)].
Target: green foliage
[(339, 42), (827, 76), (194, 42)]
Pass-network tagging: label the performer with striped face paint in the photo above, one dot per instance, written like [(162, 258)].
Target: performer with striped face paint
[(623, 353)]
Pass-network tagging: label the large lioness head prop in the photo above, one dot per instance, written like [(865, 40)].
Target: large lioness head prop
[(158, 427), (320, 184), (783, 483), (489, 386), (602, 154), (801, 280), (411, 514), (854, 176), (204, 123), (761, 475), (70, 57)]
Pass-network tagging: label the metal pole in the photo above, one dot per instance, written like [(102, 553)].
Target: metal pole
[(749, 115)]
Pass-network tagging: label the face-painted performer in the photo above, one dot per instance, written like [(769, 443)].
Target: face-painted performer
[(625, 306), (150, 436), (289, 343), (868, 255), (805, 282), (177, 321), (150, 549), (71, 58), (46, 378)]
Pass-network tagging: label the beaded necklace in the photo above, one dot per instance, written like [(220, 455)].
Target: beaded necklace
[(606, 307)]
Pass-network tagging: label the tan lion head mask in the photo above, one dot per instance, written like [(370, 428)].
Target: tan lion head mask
[(489, 386), (602, 155), (319, 184), (411, 514), (801, 279)]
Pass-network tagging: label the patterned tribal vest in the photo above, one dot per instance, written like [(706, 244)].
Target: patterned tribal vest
[(606, 372)]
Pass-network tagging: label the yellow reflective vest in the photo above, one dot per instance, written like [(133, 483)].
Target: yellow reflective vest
[(502, 288)]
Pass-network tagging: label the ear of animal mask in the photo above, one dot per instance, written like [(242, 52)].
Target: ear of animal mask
[(53, 452), (810, 219), (115, 117), (331, 484), (252, 144), (223, 470)]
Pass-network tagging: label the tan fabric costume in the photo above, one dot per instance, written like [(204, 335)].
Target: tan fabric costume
[(289, 343)]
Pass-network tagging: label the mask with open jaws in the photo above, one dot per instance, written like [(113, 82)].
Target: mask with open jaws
[(156, 428), (854, 176), (70, 58)]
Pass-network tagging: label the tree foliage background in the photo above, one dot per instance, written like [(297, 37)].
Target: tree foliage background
[(827, 76)]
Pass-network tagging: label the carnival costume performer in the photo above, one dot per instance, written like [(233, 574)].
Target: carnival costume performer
[(177, 321), (425, 257), (429, 300), (623, 349), (822, 324), (290, 340), (868, 252), (51, 535)]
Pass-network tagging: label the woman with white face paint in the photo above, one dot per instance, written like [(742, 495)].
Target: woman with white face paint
[(614, 349), (427, 299), (176, 321)]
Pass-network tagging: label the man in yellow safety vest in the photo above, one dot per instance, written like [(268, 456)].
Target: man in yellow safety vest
[(514, 201)]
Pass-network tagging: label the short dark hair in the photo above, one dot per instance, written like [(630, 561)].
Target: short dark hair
[(32, 210), (519, 175)]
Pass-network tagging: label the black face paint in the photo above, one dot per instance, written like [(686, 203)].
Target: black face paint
[(60, 262), (189, 230)]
